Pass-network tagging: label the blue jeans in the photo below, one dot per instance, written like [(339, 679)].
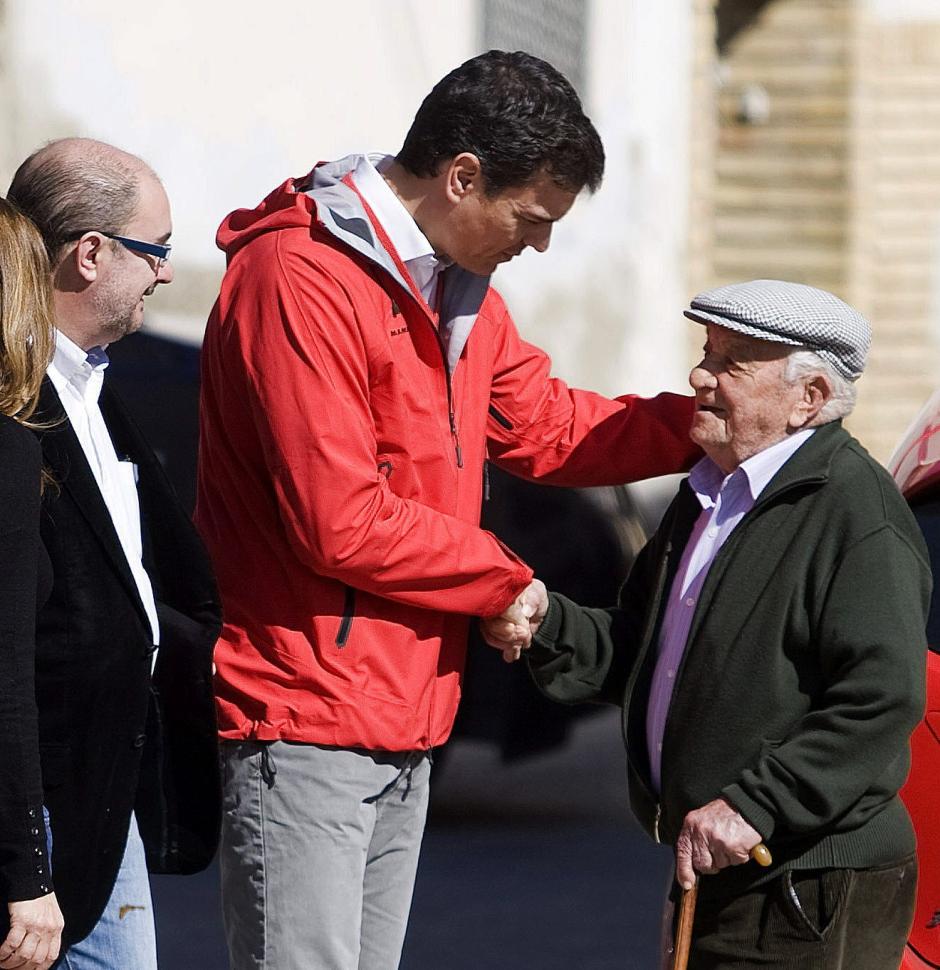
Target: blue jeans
[(124, 937)]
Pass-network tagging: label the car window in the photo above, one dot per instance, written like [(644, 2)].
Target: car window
[(927, 513)]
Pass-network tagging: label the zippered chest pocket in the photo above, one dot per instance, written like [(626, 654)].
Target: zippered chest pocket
[(346, 620)]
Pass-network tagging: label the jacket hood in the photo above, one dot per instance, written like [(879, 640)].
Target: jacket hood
[(326, 198), (294, 204)]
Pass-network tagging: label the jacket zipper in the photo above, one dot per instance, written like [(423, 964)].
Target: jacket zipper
[(453, 427), (349, 610), (452, 417)]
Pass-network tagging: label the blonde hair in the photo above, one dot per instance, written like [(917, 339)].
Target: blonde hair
[(26, 313)]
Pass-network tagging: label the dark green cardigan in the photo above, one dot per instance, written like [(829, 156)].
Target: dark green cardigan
[(804, 671)]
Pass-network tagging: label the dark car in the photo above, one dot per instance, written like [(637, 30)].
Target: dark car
[(916, 469)]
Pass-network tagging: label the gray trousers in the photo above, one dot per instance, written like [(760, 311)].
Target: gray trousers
[(319, 854)]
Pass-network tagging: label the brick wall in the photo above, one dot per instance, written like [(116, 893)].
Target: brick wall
[(826, 171), (895, 232)]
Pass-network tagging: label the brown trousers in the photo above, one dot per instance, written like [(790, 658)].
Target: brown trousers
[(818, 919)]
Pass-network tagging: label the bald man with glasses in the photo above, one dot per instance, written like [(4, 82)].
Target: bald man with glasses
[(124, 644)]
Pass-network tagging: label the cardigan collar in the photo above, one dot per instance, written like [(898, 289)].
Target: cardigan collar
[(809, 465)]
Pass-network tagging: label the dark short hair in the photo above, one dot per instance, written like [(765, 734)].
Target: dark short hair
[(66, 193), (517, 114)]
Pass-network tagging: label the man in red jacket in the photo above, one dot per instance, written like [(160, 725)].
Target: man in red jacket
[(358, 373)]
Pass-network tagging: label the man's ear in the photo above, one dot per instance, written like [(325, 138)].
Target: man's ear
[(86, 256), (463, 177), (817, 393)]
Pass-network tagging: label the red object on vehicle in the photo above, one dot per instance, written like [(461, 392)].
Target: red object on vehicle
[(916, 468), (920, 794)]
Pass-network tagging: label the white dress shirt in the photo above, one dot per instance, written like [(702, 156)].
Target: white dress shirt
[(409, 241), (78, 377), (725, 500)]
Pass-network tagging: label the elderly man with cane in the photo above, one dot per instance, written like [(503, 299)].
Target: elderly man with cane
[(768, 650)]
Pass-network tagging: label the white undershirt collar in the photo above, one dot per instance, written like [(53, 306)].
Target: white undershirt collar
[(409, 241)]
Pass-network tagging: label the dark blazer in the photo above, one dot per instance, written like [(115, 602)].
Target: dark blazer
[(113, 739), (25, 579)]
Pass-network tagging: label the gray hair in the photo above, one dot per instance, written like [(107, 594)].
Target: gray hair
[(73, 185), (802, 363)]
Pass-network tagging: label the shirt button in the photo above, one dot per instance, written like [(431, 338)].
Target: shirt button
[(659, 747), (140, 740), (713, 532), (34, 832), (37, 851), (689, 601), (670, 674)]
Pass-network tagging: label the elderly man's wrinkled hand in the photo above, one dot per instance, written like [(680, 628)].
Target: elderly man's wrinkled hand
[(712, 837), (511, 632), (508, 632)]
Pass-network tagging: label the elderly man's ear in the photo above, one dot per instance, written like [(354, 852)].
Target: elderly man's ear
[(817, 392)]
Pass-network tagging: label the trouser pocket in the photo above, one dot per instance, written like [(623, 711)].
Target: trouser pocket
[(815, 898)]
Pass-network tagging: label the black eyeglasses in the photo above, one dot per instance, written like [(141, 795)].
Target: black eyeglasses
[(160, 250)]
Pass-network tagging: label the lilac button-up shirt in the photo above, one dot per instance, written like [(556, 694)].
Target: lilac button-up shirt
[(725, 500)]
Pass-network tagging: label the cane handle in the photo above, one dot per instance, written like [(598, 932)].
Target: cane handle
[(761, 855)]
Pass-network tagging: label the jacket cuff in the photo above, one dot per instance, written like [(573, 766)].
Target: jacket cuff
[(755, 815), (521, 578), (30, 876), (549, 628)]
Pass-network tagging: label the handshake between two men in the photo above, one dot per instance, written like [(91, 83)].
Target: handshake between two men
[(511, 632), (712, 837)]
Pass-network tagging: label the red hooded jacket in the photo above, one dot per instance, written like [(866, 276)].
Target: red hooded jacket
[(342, 452)]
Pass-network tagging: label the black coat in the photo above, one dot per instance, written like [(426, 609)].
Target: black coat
[(25, 577), (113, 739)]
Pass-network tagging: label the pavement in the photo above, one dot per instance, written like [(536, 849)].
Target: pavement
[(531, 865)]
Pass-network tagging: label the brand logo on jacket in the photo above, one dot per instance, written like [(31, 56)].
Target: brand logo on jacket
[(398, 330)]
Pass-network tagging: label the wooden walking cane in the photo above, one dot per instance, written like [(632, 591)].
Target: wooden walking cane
[(680, 960)]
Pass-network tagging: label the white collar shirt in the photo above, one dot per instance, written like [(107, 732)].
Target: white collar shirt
[(409, 241), (78, 378)]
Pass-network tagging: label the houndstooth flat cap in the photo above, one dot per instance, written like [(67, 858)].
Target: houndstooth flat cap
[(790, 313)]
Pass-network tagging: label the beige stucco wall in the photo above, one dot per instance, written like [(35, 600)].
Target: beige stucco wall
[(225, 98)]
